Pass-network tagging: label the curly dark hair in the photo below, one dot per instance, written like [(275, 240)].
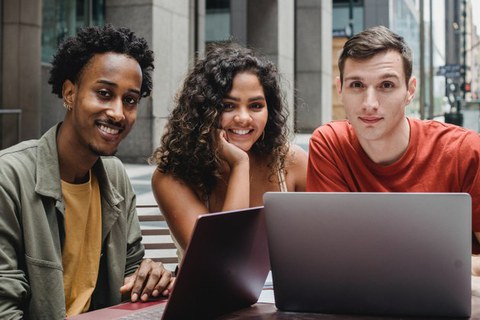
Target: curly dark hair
[(189, 147), (75, 52)]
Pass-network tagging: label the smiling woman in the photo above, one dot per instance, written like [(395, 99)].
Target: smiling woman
[(225, 143)]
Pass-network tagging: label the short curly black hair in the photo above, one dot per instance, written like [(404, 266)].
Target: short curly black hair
[(75, 52), (190, 148)]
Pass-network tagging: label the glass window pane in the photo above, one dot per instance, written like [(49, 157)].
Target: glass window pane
[(63, 18), (217, 20)]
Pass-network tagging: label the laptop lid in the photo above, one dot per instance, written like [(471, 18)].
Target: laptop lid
[(371, 253), (224, 269)]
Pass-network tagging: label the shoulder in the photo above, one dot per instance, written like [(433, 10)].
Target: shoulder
[(296, 161), (113, 165), (19, 150), (19, 157), (295, 153), (167, 189), (338, 130), (334, 137), (165, 181), (444, 134)]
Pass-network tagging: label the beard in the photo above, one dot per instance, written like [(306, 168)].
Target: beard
[(101, 153)]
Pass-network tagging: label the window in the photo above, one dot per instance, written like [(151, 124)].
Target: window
[(341, 23), (63, 18), (217, 20)]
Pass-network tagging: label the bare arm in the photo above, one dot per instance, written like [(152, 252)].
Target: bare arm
[(180, 203), (476, 259), (297, 167)]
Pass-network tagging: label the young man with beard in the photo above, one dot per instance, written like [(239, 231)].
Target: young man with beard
[(70, 239)]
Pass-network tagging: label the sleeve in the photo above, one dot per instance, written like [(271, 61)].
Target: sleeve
[(135, 247), (323, 172), (14, 287), (471, 175)]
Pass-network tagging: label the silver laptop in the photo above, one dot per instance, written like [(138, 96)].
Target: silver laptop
[(224, 269), (405, 254)]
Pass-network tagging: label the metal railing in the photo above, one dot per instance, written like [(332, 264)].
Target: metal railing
[(18, 114)]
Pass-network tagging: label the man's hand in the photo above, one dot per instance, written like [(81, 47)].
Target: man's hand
[(150, 279)]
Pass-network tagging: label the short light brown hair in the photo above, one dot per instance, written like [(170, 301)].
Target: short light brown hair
[(372, 41)]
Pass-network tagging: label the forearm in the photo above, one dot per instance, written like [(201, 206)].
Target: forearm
[(13, 292), (238, 189), (14, 287), (135, 248)]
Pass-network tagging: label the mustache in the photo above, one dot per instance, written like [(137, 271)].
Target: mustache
[(110, 123)]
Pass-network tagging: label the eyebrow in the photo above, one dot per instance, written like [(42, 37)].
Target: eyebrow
[(250, 99), (112, 84), (383, 76)]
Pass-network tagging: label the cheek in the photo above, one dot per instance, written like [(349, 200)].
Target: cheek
[(260, 123), (224, 120), (131, 116)]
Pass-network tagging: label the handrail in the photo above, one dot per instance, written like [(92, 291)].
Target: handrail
[(18, 113)]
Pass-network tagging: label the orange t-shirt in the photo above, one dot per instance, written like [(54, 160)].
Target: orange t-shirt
[(83, 242), (439, 158)]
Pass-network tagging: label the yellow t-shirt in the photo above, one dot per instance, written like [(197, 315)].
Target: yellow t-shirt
[(83, 241)]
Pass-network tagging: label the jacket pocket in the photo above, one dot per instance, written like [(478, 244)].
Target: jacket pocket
[(46, 284)]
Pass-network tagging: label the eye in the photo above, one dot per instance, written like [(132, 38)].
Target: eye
[(387, 85), (356, 84), (104, 94), (227, 106), (132, 101), (257, 106)]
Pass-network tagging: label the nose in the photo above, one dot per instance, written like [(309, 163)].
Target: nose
[(370, 100), (243, 116), (115, 111)]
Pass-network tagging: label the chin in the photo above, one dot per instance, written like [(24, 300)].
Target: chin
[(244, 147), (102, 153)]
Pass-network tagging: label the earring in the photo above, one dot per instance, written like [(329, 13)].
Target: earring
[(263, 135), (66, 106)]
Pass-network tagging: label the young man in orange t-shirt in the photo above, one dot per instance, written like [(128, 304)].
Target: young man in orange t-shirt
[(379, 149)]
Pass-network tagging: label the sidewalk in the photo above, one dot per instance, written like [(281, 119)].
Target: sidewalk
[(140, 176)]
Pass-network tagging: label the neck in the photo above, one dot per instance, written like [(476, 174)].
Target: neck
[(74, 164), (388, 150)]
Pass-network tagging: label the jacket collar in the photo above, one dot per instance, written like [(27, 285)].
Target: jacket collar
[(48, 168), (48, 171)]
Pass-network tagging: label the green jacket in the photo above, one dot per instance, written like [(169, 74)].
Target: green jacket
[(32, 231)]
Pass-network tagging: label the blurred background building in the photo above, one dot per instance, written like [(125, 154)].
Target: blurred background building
[(303, 37)]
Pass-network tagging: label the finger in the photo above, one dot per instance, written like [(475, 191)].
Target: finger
[(223, 135), (142, 275), (163, 284), (128, 283), (157, 281), (169, 289)]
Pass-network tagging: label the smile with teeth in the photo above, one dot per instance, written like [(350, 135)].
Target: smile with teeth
[(108, 130), (240, 132)]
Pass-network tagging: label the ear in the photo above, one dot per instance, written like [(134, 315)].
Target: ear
[(338, 84), (412, 85), (68, 92)]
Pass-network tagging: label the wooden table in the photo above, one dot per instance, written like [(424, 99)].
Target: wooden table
[(267, 311)]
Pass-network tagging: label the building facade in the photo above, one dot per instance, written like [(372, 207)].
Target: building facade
[(296, 35), (303, 37)]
